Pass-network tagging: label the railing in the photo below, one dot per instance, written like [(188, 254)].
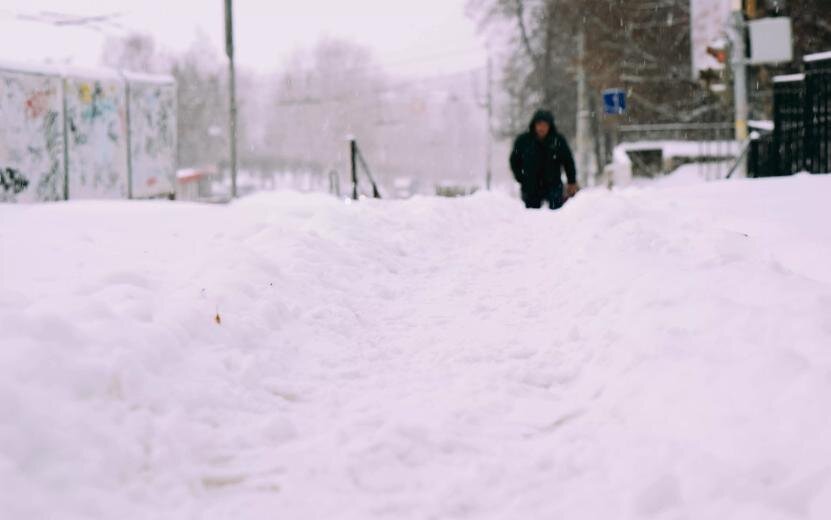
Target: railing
[(761, 161), (710, 145), (817, 113), (789, 121)]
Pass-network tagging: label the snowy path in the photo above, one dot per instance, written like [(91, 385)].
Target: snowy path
[(646, 354)]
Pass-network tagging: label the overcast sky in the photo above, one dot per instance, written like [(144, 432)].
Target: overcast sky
[(408, 34)]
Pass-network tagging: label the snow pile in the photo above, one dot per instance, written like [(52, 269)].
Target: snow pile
[(648, 353)]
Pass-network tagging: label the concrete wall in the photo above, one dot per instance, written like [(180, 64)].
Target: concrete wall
[(119, 132)]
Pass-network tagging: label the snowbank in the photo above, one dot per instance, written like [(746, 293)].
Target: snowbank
[(649, 353)]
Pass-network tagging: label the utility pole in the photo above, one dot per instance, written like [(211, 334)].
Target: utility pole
[(232, 90), (583, 116), (739, 63), (489, 172)]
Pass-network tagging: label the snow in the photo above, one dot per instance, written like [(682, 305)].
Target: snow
[(789, 78), (28, 68), (820, 56), (765, 125), (671, 149), (654, 352), (61, 70), (100, 73), (190, 174)]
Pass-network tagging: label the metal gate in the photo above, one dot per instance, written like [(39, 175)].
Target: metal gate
[(801, 139)]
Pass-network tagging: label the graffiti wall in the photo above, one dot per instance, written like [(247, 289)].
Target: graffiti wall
[(71, 134), (97, 138), (152, 137), (31, 138)]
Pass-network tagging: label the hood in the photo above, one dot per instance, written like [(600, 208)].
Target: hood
[(542, 115)]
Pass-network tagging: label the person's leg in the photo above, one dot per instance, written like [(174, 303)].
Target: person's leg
[(533, 203), (532, 200), (555, 197)]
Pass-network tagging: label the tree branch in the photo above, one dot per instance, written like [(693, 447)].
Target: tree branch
[(519, 11)]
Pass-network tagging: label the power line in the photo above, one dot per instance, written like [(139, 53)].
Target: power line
[(98, 23), (68, 19)]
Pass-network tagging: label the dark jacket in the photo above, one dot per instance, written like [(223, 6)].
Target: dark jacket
[(536, 164)]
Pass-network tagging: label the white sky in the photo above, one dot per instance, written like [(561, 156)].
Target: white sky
[(266, 30)]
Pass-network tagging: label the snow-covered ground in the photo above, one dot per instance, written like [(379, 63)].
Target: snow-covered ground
[(647, 353)]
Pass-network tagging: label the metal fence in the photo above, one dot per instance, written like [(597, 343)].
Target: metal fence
[(657, 149), (800, 140), (817, 115)]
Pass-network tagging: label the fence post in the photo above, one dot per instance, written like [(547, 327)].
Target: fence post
[(353, 152), (808, 124), (778, 121), (334, 183), (817, 140), (753, 158)]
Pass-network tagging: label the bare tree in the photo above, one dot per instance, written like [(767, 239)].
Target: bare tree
[(323, 95), (202, 102), (640, 45), (135, 52)]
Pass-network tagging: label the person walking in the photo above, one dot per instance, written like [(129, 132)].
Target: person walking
[(538, 158)]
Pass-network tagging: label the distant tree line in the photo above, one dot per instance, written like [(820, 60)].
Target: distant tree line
[(298, 119)]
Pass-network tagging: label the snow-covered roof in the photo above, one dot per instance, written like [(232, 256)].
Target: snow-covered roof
[(189, 174), (761, 125), (192, 174), (820, 56), (67, 71), (789, 78), (28, 68), (92, 73), (60, 70)]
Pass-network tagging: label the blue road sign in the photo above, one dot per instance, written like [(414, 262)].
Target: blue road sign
[(614, 101)]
